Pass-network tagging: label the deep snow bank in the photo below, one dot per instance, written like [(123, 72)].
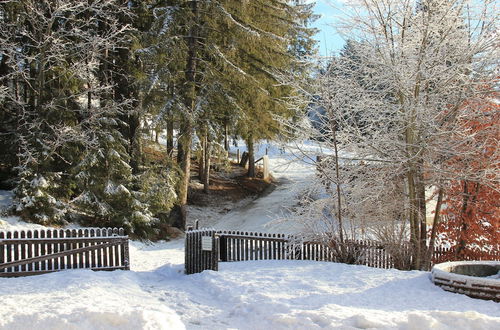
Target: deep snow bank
[(82, 299)]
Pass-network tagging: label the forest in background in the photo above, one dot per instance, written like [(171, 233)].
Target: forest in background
[(82, 83)]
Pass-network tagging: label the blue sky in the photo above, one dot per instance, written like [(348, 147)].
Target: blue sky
[(328, 39)]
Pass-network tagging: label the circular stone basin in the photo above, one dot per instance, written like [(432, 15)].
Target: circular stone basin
[(476, 279)]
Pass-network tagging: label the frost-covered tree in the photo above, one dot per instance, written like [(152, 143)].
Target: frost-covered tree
[(50, 52), (418, 63), (104, 183), (73, 159)]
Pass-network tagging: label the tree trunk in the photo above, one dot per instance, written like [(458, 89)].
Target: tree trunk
[(201, 158), (180, 148), (337, 183), (251, 158), (416, 189), (157, 135), (226, 136), (469, 199), (26, 86), (32, 87), (422, 215), (416, 192), (185, 165), (184, 152), (134, 142), (206, 170), (16, 90), (170, 136), (435, 223)]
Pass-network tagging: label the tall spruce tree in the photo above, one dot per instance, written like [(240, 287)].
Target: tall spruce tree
[(236, 47), (69, 119), (52, 45), (280, 42)]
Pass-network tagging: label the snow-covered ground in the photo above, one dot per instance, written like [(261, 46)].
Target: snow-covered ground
[(156, 294), (265, 214)]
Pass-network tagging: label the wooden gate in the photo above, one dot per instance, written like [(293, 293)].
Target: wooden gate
[(201, 251), (32, 252), (204, 248)]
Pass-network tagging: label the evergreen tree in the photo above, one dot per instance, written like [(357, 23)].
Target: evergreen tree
[(233, 51), (106, 194), (11, 93), (72, 153), (51, 53), (280, 38), (81, 81)]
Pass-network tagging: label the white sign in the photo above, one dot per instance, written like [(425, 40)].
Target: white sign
[(206, 243)]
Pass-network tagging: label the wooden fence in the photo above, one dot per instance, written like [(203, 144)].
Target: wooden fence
[(32, 252), (245, 246), (201, 251)]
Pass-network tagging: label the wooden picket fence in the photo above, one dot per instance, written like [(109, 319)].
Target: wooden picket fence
[(246, 246), (32, 252), (201, 251)]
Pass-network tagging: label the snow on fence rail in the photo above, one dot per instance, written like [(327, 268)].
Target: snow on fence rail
[(245, 246), (32, 252)]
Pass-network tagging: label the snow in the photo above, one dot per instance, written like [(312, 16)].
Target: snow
[(293, 176), (155, 293), (9, 222), (39, 182)]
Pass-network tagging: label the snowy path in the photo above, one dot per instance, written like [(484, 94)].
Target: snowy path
[(264, 214)]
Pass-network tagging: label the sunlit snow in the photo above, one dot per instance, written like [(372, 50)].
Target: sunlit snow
[(156, 294)]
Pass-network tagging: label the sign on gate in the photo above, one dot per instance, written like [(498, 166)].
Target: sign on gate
[(206, 243), (202, 251)]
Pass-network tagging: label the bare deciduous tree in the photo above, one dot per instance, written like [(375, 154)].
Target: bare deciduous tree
[(389, 111)]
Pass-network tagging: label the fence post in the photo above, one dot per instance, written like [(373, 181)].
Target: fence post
[(215, 255), (265, 159), (126, 255), (223, 248)]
